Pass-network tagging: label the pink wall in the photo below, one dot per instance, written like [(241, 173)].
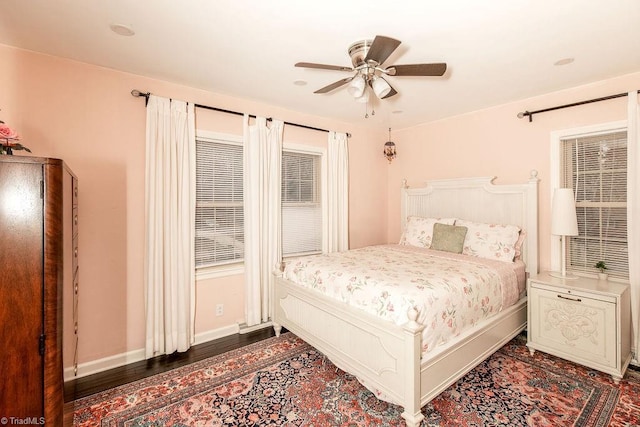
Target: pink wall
[(85, 115), (494, 142)]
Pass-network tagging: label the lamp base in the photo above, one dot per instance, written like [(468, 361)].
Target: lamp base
[(559, 275)]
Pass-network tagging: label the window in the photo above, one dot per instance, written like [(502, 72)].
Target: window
[(219, 209), (301, 203), (595, 167), (219, 240)]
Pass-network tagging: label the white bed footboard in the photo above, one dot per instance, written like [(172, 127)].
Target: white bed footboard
[(384, 356)]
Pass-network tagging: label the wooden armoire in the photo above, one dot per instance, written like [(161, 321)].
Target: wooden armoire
[(38, 259)]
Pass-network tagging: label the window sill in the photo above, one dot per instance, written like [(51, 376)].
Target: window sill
[(612, 277), (299, 255), (217, 272)]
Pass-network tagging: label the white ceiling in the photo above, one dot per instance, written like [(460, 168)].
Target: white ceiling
[(497, 51)]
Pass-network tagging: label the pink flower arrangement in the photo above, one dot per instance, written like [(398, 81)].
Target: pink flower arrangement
[(8, 138), (7, 133)]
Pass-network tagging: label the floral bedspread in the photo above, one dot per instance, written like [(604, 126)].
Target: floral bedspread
[(452, 292)]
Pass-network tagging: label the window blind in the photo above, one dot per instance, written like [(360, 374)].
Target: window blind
[(219, 207), (595, 167), (301, 206)]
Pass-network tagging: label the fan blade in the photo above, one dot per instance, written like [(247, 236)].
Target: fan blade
[(334, 85), (323, 66), (381, 48), (436, 69)]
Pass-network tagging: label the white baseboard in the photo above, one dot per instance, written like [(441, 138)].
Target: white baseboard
[(104, 364), (244, 329), (214, 334), (117, 360)]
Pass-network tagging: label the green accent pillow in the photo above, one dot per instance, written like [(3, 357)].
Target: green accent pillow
[(449, 238)]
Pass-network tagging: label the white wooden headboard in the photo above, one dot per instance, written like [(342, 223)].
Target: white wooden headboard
[(479, 200)]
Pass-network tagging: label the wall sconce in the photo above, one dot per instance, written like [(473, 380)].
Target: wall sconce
[(389, 149)]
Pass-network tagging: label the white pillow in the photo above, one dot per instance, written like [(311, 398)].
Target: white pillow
[(490, 241), (519, 242), (419, 230)]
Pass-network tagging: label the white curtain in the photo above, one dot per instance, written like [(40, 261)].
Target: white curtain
[(170, 222), (633, 214), (262, 213), (338, 192)]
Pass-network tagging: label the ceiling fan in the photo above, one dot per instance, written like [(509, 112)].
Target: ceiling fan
[(368, 59)]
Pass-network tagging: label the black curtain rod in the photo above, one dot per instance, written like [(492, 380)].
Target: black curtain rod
[(589, 101), (146, 95)]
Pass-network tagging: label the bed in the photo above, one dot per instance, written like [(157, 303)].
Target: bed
[(390, 357)]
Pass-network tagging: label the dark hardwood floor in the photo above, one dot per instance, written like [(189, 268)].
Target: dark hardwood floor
[(96, 383)]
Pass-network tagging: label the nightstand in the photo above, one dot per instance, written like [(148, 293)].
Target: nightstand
[(584, 320)]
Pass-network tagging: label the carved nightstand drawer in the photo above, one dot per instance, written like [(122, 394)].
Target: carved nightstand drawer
[(574, 324), (585, 320)]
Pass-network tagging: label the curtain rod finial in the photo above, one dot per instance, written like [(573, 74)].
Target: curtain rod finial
[(522, 114), (137, 93)]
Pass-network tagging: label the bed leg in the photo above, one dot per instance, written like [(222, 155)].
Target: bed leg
[(277, 328), (413, 420), (412, 331)]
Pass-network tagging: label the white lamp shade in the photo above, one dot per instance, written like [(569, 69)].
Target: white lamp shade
[(381, 87), (364, 97), (357, 86), (564, 221)]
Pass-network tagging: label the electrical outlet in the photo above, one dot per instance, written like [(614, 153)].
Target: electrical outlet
[(219, 309)]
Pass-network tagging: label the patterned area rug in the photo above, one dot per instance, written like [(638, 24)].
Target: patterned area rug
[(285, 382)]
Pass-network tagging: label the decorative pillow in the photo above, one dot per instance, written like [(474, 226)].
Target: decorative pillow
[(449, 238), (491, 241), (419, 230), (518, 245)]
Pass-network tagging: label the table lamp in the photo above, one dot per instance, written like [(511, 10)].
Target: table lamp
[(564, 222)]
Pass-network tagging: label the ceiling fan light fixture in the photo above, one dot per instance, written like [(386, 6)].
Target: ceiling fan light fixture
[(357, 86), (369, 70), (380, 87), (363, 98)]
